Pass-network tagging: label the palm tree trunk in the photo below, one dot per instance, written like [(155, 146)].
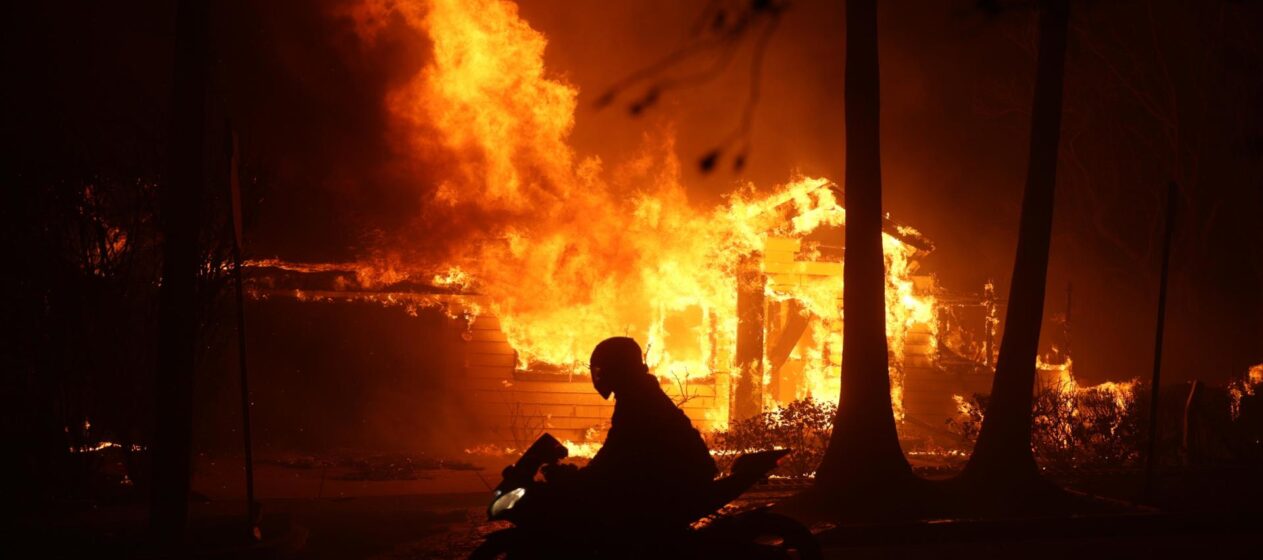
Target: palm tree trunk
[(1003, 453), (864, 455)]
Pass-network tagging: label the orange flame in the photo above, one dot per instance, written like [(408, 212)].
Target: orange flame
[(576, 252), (1239, 389)]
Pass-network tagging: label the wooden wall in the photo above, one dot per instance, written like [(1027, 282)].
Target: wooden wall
[(513, 408)]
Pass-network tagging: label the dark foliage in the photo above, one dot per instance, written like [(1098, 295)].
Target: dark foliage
[(803, 426), (1089, 427)]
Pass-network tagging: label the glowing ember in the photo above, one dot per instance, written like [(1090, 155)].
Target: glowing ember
[(103, 445)]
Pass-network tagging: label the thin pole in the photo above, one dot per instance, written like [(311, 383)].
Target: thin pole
[(1151, 456), (252, 512)]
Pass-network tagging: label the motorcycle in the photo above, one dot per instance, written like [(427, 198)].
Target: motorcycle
[(712, 530)]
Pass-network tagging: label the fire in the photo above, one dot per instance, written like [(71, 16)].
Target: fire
[(584, 450), (567, 250), (103, 445), (1239, 389), (453, 278), (1123, 393), (1073, 425), (1064, 409)]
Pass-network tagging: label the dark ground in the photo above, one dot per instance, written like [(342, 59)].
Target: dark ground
[(1209, 512)]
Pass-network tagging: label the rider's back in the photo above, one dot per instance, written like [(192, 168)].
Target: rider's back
[(653, 461)]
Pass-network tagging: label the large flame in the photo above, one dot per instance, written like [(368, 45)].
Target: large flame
[(570, 252)]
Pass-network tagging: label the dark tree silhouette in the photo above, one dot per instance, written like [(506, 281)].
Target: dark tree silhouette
[(864, 459), (1002, 459), (180, 198)]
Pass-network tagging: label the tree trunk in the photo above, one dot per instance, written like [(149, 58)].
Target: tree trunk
[(1003, 453), (180, 200), (864, 456)]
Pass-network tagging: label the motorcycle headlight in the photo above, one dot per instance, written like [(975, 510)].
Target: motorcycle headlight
[(505, 502)]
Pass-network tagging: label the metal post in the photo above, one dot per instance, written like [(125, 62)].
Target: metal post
[(252, 511), (1151, 455)]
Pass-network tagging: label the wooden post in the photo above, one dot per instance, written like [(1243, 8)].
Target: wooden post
[(793, 324), (748, 397), (774, 319), (1151, 455)]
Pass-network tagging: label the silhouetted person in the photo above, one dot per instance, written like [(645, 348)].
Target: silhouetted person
[(654, 465)]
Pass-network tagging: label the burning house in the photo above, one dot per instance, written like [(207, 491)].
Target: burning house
[(544, 252), (767, 332), (533, 253)]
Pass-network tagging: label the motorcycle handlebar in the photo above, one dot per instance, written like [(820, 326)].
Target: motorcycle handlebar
[(545, 451)]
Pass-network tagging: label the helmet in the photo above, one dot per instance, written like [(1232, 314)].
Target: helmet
[(613, 362)]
